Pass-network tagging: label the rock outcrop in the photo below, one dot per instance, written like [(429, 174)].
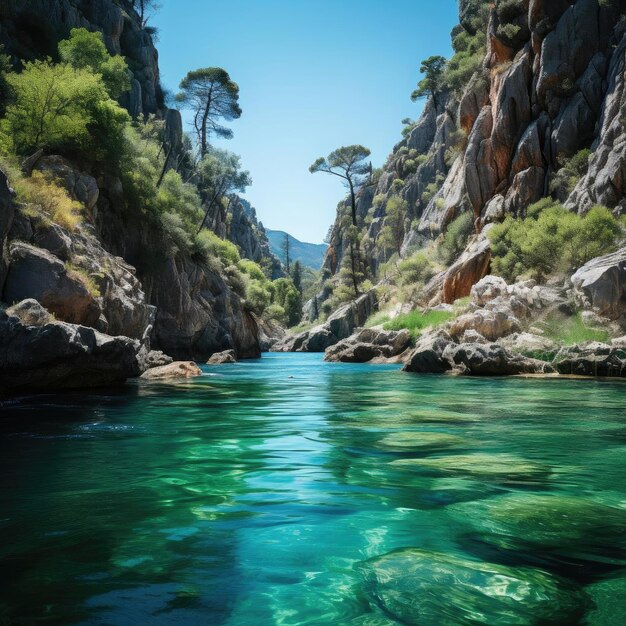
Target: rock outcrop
[(601, 284), (369, 344), (338, 326), (39, 355), (173, 371), (592, 359), (220, 358)]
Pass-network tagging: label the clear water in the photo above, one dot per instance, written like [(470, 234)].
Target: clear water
[(290, 491)]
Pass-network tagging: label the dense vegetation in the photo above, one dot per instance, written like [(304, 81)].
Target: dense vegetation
[(70, 107)]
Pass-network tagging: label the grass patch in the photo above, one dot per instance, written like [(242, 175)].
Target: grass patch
[(376, 319), (572, 330), (416, 321), (301, 328), (51, 197), (81, 275)]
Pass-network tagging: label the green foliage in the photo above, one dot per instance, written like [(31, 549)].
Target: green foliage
[(5, 69), (86, 50), (571, 171), (52, 106), (377, 319), (50, 196), (392, 232), (508, 10), (417, 321), (432, 84), (456, 236), (83, 276), (432, 189), (416, 269), (251, 269), (555, 240), (572, 330), (213, 245)]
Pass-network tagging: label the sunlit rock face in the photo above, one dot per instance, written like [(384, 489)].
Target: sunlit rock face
[(551, 83)]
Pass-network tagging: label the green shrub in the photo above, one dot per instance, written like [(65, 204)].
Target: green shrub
[(555, 240), (571, 171), (377, 319), (456, 237), (252, 269), (572, 330), (416, 269), (215, 246)]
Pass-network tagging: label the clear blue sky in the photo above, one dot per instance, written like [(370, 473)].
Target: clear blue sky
[(313, 75)]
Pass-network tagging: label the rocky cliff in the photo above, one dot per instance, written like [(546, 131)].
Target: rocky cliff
[(551, 83), (116, 273)]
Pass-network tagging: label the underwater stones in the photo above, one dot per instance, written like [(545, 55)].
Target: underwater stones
[(433, 589), (178, 369), (564, 524), (609, 598), (494, 467), (420, 440)]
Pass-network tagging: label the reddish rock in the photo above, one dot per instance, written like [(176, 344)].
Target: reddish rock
[(471, 266)]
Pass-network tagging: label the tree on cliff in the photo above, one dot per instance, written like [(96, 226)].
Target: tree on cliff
[(348, 163), (212, 96), (219, 175), (433, 82), (145, 8), (392, 232), (286, 248)]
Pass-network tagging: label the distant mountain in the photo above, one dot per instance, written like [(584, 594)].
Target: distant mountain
[(309, 254)]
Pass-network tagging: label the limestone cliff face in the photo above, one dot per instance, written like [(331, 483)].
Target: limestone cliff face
[(551, 83)]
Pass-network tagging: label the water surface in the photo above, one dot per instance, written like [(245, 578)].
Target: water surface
[(289, 491)]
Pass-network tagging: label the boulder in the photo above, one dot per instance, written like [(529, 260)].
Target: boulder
[(529, 344), (149, 359), (38, 274), (30, 313), (591, 359), (487, 289), (491, 360), (415, 586), (601, 283), (368, 344), (491, 324), (55, 356), (427, 356), (345, 319), (219, 358), (471, 266), (177, 369), (80, 185)]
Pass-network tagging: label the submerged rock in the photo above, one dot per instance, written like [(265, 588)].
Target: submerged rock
[(495, 467), (433, 589), (419, 440), (177, 369), (219, 358), (565, 524)]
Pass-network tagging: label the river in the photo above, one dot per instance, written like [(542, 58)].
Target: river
[(289, 491)]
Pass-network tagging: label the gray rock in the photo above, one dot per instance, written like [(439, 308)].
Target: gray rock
[(80, 185), (61, 356), (7, 213), (219, 358), (30, 313), (53, 238), (529, 344), (427, 357), (36, 273), (591, 359), (368, 344), (491, 360), (489, 323), (602, 284)]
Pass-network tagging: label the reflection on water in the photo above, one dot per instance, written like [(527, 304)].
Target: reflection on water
[(291, 491)]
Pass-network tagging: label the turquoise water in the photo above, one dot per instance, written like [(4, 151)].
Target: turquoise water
[(290, 491)]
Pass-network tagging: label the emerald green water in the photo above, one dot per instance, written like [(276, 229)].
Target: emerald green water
[(290, 491)]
